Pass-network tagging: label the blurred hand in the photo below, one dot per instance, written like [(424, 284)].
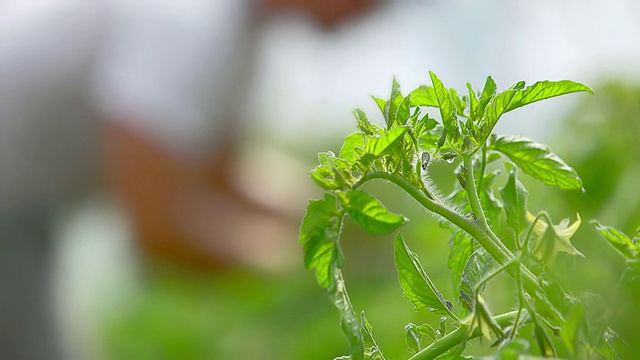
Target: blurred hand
[(191, 213)]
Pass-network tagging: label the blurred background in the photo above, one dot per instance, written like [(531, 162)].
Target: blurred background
[(154, 159)]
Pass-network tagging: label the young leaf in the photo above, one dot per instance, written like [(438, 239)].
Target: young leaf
[(369, 213), (391, 106), (544, 90), (348, 319), (414, 334), (538, 161), (488, 91), (492, 113), (324, 176), (415, 282), (462, 247), (514, 195), (333, 173), (353, 145), (618, 239), (424, 96), (363, 122), (460, 105), (491, 205), (384, 144), (402, 114), (382, 104), (446, 106), (372, 350), (319, 235), (473, 102), (611, 345), (476, 269)]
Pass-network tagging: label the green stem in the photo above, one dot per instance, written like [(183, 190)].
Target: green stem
[(476, 206), (457, 337), (485, 237), (483, 167), (525, 245), (472, 193), (458, 220)]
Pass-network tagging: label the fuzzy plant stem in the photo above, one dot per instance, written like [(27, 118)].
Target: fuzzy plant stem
[(485, 238)]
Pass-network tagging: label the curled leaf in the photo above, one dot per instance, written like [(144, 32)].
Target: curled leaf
[(618, 239), (319, 235), (418, 287), (369, 213)]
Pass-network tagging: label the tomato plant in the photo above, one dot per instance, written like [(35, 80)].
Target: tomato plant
[(493, 231)]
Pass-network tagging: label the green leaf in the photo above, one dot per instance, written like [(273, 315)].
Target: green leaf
[(424, 96), (474, 105), (369, 213), (363, 122), (381, 105), (372, 351), (319, 236), (446, 106), (491, 205), (488, 92), (333, 173), (544, 90), (570, 330), (475, 270), (402, 114), (515, 196), (415, 282), (460, 105), (517, 97), (391, 106), (611, 346), (323, 175), (348, 319), (462, 247), (352, 147), (384, 144), (492, 113), (538, 161), (412, 338), (618, 239), (415, 333)]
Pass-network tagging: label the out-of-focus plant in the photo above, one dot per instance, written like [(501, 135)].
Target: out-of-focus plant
[(492, 232), (602, 146)]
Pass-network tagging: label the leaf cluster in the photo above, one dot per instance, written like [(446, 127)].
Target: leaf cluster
[(492, 232)]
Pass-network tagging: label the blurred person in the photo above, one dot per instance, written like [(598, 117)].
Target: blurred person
[(166, 81)]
